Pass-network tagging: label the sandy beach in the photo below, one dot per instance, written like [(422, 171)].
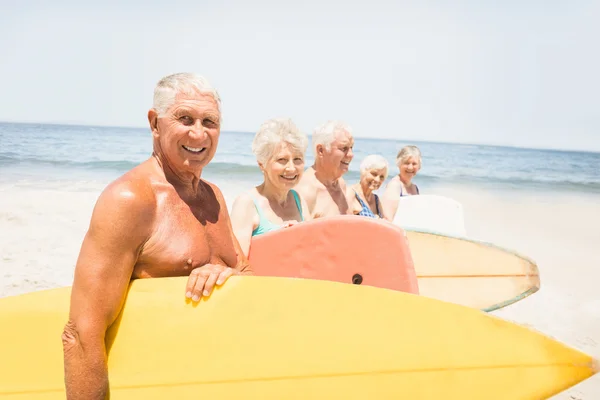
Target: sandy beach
[(41, 229)]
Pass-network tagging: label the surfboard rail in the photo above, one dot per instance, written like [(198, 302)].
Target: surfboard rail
[(475, 262)]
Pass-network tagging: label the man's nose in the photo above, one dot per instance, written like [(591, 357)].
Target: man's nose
[(198, 131)]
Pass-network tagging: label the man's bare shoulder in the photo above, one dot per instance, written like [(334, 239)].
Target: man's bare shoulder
[(214, 189), (309, 181), (132, 192)]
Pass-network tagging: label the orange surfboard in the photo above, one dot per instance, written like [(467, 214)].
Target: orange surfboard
[(347, 248)]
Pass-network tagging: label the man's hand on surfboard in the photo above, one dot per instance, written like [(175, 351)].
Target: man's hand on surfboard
[(203, 279)]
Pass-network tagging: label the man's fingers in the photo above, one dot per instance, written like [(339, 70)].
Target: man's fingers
[(210, 283), (199, 287), (191, 283), (226, 273), (202, 280)]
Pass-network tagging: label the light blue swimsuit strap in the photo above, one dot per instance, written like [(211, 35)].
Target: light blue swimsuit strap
[(264, 224), (298, 204)]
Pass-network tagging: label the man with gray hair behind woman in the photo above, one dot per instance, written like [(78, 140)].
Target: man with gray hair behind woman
[(322, 185)]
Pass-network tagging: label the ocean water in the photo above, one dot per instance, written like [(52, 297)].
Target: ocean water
[(67, 154)]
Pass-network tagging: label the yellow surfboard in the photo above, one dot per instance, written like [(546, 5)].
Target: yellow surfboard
[(285, 338), (470, 272)]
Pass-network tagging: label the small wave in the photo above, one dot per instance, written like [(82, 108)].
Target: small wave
[(100, 164), (236, 170)]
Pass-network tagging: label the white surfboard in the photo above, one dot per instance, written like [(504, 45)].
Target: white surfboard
[(431, 213)]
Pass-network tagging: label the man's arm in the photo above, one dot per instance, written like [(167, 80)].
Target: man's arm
[(243, 215), (353, 205), (120, 224), (243, 265)]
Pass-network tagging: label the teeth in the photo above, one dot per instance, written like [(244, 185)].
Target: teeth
[(194, 149), (289, 177)]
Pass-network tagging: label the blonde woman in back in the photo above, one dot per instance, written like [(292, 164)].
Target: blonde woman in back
[(408, 161), (279, 147)]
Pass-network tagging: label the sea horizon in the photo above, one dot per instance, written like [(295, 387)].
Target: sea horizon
[(356, 135), (37, 153)]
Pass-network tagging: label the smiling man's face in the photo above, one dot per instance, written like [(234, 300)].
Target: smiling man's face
[(188, 134)]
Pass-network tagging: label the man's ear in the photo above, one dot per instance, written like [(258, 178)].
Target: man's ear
[(153, 120), (320, 150)]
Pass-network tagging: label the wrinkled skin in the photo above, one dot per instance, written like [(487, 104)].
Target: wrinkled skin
[(160, 219)]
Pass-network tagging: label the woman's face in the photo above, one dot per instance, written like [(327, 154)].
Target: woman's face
[(409, 168), (285, 168), (371, 179)]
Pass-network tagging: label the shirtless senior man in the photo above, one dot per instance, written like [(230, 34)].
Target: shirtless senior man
[(322, 185), (159, 219)]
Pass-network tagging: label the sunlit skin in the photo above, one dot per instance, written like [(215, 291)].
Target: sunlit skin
[(370, 181), (159, 219), (322, 185), (281, 172), (401, 183)]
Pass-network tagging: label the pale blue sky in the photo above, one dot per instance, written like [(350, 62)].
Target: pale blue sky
[(521, 73)]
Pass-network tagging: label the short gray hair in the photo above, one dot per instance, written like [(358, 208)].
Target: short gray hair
[(406, 152), (374, 161), (325, 134), (273, 132), (184, 82)]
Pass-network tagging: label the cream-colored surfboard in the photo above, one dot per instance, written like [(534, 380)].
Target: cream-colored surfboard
[(470, 272), (434, 213), (286, 338)]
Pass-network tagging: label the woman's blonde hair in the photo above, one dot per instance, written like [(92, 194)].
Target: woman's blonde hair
[(374, 161), (273, 132)]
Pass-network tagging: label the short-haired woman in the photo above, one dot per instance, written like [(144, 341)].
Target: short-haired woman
[(408, 161), (279, 147), (361, 196)]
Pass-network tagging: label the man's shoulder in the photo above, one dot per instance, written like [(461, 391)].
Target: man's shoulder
[(309, 180), (307, 187), (131, 191), (214, 189)]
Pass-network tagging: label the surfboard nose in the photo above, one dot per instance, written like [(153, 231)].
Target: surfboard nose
[(534, 275)]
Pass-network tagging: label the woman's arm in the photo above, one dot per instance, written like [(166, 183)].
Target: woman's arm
[(390, 199)]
